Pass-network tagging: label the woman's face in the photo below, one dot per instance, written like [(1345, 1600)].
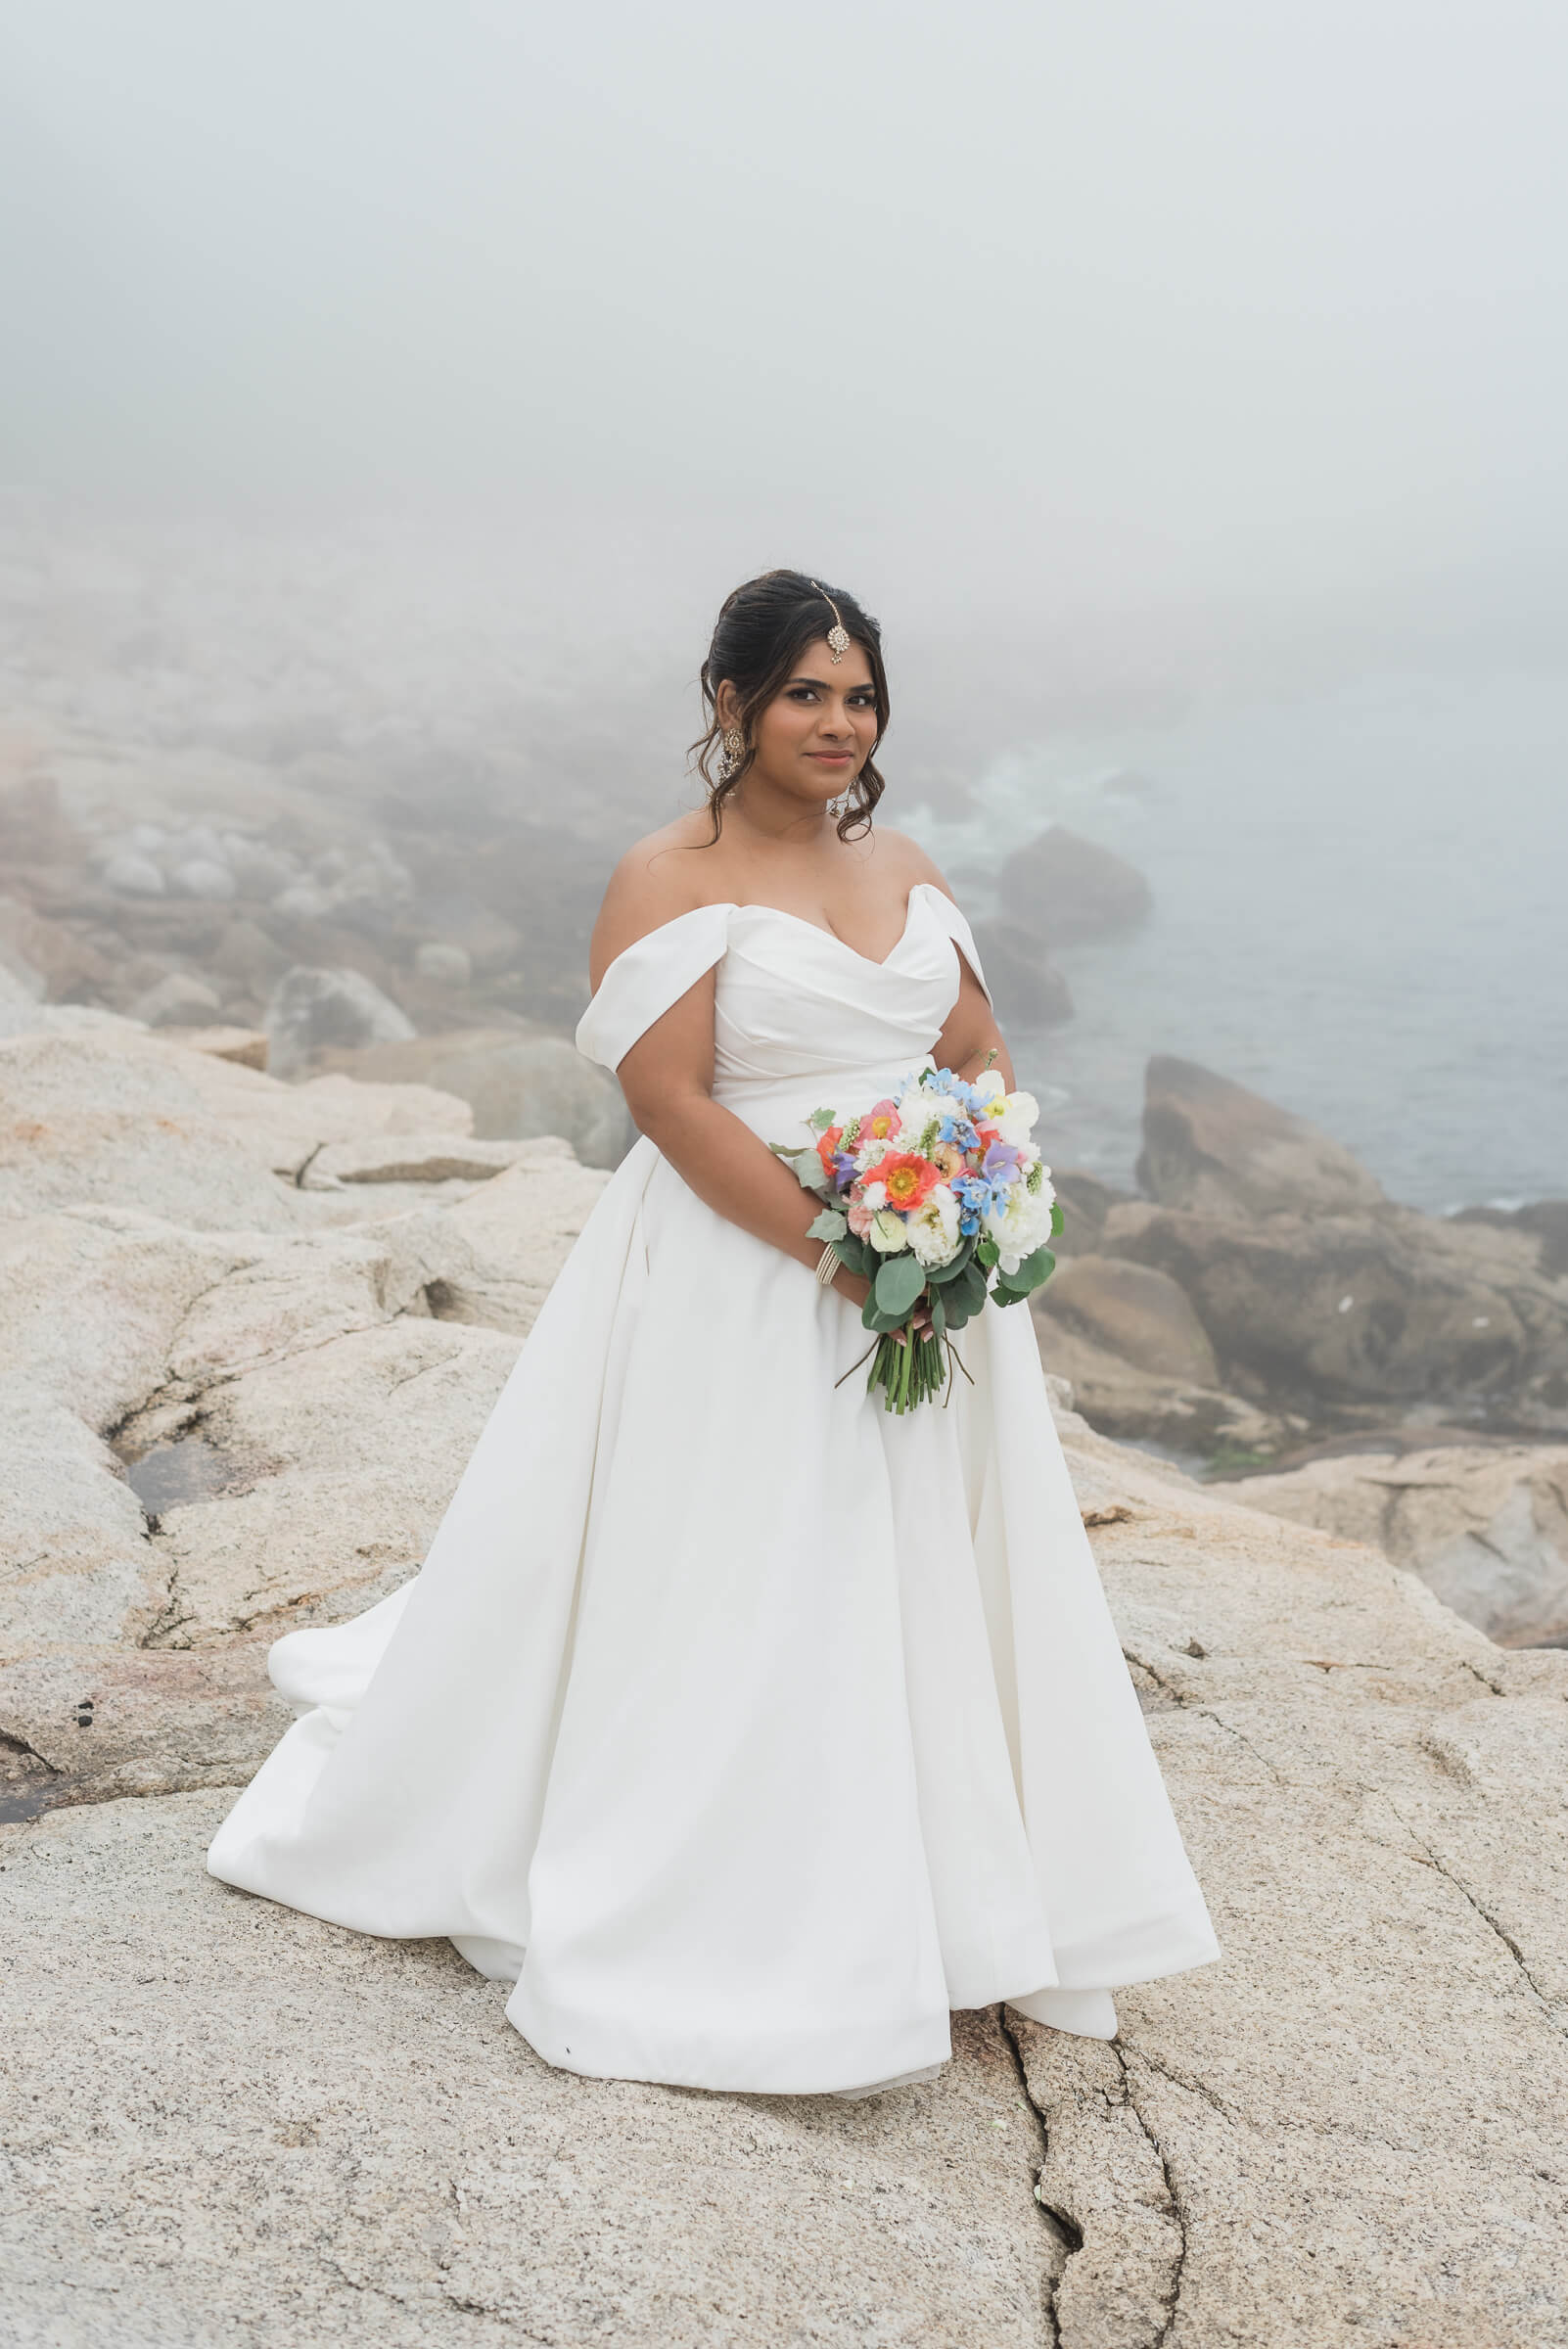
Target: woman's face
[(812, 739)]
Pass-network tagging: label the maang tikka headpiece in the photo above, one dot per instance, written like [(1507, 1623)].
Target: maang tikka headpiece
[(837, 635)]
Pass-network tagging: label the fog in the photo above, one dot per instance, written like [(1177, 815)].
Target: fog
[(1213, 318), (402, 386)]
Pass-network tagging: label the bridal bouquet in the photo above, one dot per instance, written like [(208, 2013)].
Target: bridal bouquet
[(939, 1197)]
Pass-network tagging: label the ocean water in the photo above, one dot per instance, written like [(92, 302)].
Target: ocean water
[(1360, 912)]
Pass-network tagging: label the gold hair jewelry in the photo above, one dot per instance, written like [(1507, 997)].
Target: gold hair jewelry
[(837, 635)]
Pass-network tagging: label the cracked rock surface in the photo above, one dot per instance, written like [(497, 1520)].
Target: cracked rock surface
[(227, 2122)]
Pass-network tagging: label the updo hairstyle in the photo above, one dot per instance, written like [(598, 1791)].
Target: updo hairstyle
[(761, 631)]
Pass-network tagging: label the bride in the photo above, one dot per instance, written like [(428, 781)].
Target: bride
[(747, 1728)]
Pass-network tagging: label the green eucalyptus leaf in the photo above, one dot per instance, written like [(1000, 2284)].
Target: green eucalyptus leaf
[(830, 1224), (1030, 1274), (899, 1282), (853, 1253), (1056, 1219), (986, 1250), (821, 1119), (940, 1274), (972, 1288), (808, 1171)]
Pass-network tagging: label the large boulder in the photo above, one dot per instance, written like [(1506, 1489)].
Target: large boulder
[(1139, 1363), (1132, 1310), (519, 1083), (213, 1435), (179, 999), (311, 1011), (1391, 1308), (1212, 1146), (1026, 987), (1064, 889), (223, 1416), (1485, 1527), (1271, 2148), (1085, 1200), (85, 1119)]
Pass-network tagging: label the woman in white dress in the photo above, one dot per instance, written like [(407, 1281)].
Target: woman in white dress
[(747, 1728)]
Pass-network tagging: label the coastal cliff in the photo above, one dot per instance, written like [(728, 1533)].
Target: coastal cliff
[(251, 1331)]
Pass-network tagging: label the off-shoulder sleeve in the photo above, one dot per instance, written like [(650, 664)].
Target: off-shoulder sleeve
[(648, 977), (958, 928)]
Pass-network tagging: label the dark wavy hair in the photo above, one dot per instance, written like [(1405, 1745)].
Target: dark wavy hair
[(762, 629)]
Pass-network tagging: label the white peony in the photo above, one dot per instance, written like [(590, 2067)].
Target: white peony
[(916, 1109), (989, 1084), (888, 1234), (1015, 1115), (934, 1233), (1019, 1220)]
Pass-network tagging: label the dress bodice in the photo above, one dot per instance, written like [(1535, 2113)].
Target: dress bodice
[(801, 1019)]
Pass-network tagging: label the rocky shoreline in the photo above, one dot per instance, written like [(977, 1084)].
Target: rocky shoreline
[(254, 1328), (1263, 1311)]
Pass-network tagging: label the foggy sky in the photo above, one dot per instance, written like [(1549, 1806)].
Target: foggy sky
[(1222, 314)]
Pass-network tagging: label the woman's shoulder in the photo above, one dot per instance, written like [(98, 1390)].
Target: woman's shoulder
[(658, 880), (904, 860)]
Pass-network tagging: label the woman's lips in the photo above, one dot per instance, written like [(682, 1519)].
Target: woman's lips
[(832, 757)]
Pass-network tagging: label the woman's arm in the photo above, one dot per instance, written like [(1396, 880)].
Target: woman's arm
[(667, 1080)]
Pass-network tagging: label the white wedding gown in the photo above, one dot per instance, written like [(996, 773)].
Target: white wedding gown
[(748, 1726)]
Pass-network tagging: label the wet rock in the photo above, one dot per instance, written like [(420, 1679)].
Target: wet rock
[(1485, 1527), (311, 1011), (1027, 987), (1216, 1149), (1064, 889), (180, 1000)]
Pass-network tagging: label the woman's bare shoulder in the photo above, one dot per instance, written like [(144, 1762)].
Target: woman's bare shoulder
[(907, 858), (661, 877)]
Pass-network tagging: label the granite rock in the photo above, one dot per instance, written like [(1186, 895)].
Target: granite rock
[(1484, 1526), (1066, 889), (1215, 1149), (231, 2122)]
